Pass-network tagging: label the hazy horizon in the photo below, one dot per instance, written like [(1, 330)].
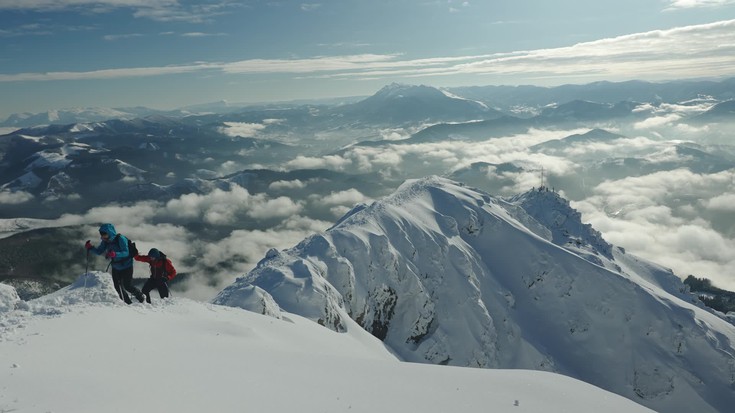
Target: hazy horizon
[(166, 54)]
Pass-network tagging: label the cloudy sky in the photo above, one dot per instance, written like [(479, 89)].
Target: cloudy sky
[(168, 53)]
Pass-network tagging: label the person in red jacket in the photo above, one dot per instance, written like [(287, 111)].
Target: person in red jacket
[(162, 271)]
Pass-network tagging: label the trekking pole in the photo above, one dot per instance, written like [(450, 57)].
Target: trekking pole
[(86, 274)]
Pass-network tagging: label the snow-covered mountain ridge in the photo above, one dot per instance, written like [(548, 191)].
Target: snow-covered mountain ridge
[(446, 274)]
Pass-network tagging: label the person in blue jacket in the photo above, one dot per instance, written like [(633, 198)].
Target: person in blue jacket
[(115, 247)]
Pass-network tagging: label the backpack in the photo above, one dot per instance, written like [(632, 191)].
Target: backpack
[(164, 269), (132, 249), (163, 266)]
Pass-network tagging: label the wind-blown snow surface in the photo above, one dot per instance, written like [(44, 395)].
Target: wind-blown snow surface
[(450, 275), (82, 350)]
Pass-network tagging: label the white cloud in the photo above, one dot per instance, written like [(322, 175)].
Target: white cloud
[(159, 10), (394, 134), (343, 201), (229, 167), (241, 129), (334, 162), (218, 207), (113, 37), (201, 34), (689, 4), (682, 52), (452, 155), (14, 197), (226, 208), (132, 215), (310, 6), (620, 147), (692, 130), (280, 207), (659, 216), (286, 185), (724, 202), (657, 121), (657, 187)]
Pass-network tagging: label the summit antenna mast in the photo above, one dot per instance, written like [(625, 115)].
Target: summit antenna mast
[(542, 177)]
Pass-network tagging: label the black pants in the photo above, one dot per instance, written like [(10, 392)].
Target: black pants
[(157, 283), (123, 280)]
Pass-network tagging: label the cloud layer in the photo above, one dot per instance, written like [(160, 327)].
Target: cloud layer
[(660, 210), (158, 10), (683, 52)]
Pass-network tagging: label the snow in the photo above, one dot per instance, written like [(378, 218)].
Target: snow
[(25, 181), (447, 274), (32, 138), (82, 350), (125, 168), (81, 127), (12, 226), (58, 158), (48, 159), (453, 96)]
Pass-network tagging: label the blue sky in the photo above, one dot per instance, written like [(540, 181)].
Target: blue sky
[(169, 53)]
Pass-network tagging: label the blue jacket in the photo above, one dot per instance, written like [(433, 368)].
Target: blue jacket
[(118, 243)]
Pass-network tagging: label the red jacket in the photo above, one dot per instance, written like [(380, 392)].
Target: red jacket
[(159, 268)]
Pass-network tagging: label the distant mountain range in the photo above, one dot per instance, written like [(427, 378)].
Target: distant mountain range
[(166, 154), (404, 103), (83, 115), (507, 97)]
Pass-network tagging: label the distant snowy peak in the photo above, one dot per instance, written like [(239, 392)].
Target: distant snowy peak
[(400, 91), (84, 115), (397, 91), (67, 116), (411, 103), (393, 90)]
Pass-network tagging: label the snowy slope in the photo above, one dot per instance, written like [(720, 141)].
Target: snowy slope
[(82, 350), (446, 274)]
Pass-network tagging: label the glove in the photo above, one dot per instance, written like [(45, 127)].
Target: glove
[(88, 245), (164, 279), (110, 254)]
